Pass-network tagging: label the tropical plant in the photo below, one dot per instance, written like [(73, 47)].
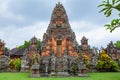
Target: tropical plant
[(17, 64), (11, 64), (105, 62), (117, 44), (26, 44), (107, 7)]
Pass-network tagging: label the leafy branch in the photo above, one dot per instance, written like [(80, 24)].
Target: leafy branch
[(107, 8)]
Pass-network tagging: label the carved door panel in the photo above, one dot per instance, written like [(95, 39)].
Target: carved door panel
[(59, 50)]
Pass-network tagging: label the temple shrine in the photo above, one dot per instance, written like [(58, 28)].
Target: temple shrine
[(59, 35), (59, 45)]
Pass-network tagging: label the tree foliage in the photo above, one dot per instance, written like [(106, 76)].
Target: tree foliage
[(7, 49), (107, 7), (117, 44), (105, 62), (26, 44)]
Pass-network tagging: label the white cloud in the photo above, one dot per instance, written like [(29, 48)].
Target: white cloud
[(6, 13), (4, 7), (12, 35), (96, 34)]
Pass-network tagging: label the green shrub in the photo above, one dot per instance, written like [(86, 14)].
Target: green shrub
[(74, 69), (15, 64), (11, 64), (114, 66), (105, 62)]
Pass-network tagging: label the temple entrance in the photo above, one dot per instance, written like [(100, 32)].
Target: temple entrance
[(59, 65), (59, 61), (59, 42)]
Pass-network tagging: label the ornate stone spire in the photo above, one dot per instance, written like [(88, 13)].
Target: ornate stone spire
[(59, 17), (33, 40), (84, 40), (59, 34)]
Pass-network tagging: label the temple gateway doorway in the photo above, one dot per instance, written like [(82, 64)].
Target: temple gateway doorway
[(59, 50), (59, 61)]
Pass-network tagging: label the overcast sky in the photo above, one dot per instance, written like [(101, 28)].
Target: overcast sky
[(20, 20)]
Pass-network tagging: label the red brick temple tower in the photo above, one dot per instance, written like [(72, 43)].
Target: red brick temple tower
[(59, 45)]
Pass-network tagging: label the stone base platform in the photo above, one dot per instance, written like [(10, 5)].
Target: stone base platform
[(35, 75), (82, 75), (62, 74), (59, 74)]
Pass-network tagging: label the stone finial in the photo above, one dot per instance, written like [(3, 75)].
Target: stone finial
[(34, 40), (84, 40)]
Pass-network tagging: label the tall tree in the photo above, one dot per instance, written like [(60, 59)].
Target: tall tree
[(107, 7)]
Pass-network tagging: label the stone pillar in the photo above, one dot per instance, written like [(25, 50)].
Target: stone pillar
[(65, 66), (46, 69), (35, 70), (53, 63), (24, 65)]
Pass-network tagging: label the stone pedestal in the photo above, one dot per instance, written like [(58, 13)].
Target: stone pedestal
[(46, 69), (82, 75), (82, 70), (35, 70), (25, 69), (53, 73), (24, 66), (62, 74)]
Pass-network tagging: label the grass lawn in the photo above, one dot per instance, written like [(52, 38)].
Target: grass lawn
[(92, 76)]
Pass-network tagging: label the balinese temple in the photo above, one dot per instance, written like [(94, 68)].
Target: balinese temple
[(2, 48), (113, 51), (85, 47), (30, 53), (86, 50), (32, 48), (59, 45), (59, 35)]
